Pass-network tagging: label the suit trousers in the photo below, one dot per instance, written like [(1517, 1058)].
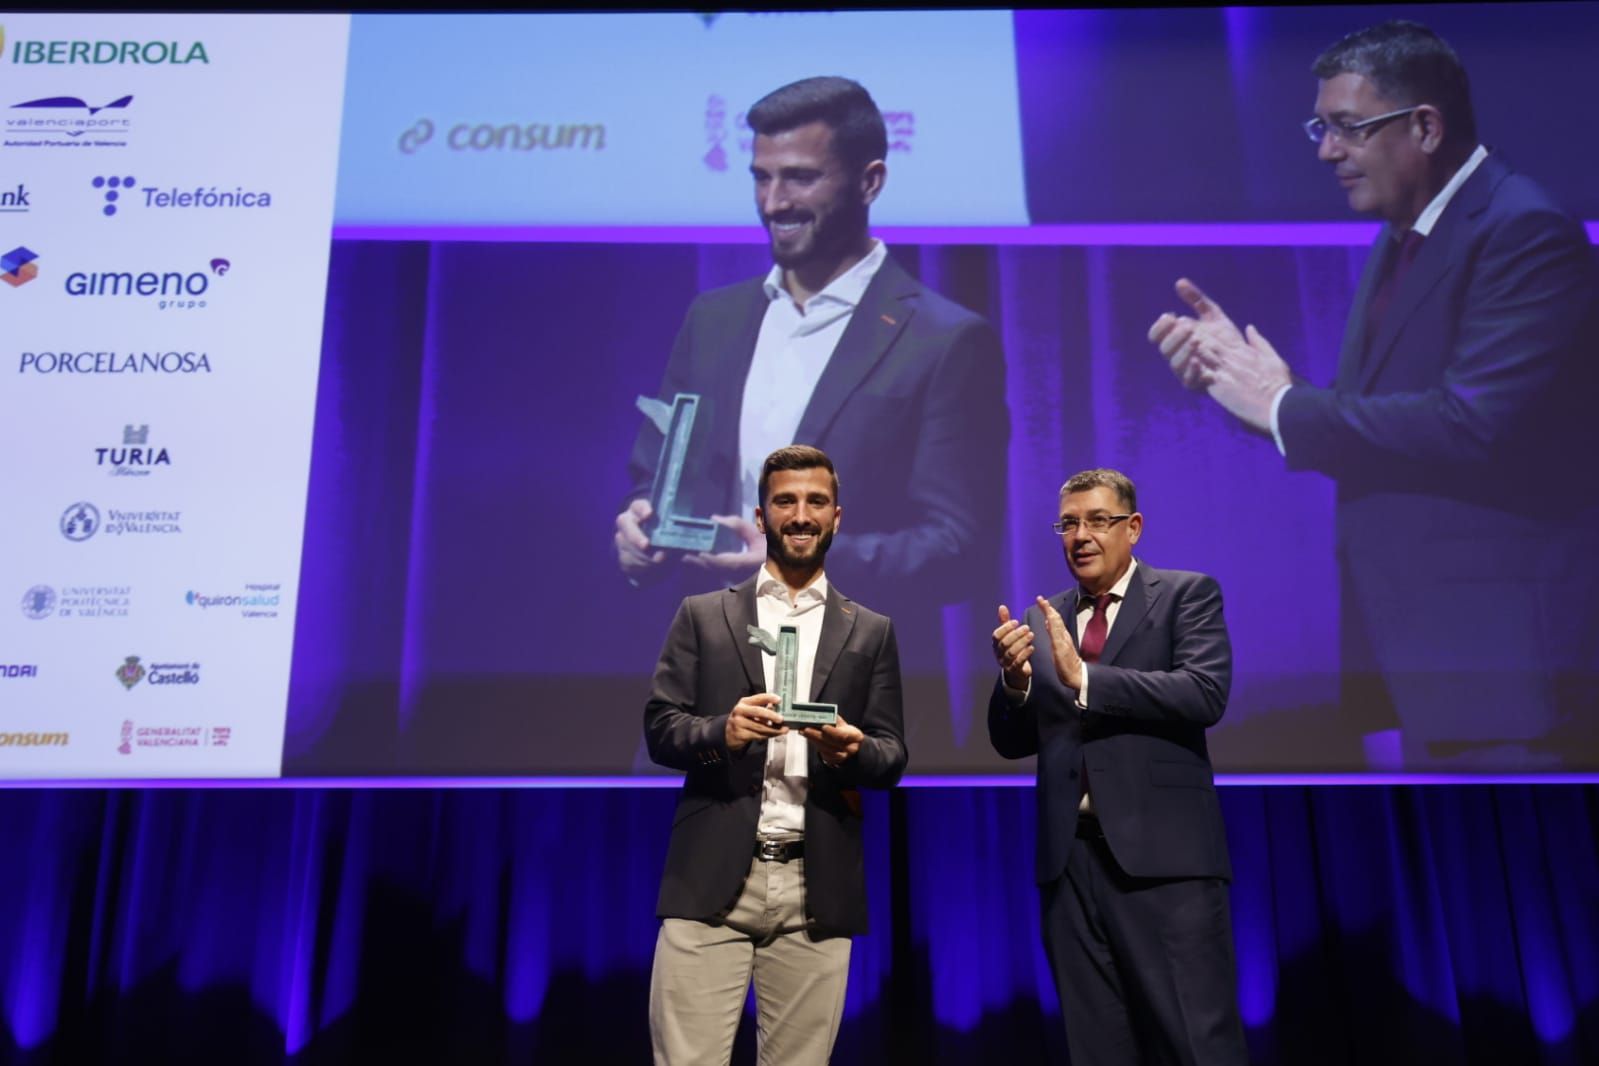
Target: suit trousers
[(1144, 966), (703, 970)]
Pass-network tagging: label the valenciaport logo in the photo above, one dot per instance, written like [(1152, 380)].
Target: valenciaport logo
[(19, 266), (69, 122), (82, 521), (136, 457), (257, 600), (133, 670), (119, 192), (102, 53), (168, 289)]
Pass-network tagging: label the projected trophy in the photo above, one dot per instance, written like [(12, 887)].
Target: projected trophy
[(668, 527), (786, 647)]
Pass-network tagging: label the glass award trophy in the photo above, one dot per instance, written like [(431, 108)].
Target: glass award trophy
[(786, 647), (669, 527)]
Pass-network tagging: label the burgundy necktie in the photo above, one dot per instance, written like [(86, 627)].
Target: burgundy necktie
[(1093, 641), (1403, 256)]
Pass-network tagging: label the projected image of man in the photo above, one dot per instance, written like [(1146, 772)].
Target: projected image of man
[(839, 346), (1468, 551), (764, 876)]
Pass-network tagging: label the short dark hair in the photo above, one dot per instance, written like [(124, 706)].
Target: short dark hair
[(1409, 64), (859, 136), (796, 457), (1103, 478)]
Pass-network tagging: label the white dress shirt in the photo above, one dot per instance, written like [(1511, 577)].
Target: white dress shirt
[(794, 346), (787, 768), (1423, 225)]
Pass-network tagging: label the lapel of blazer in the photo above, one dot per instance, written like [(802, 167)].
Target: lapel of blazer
[(1142, 592), (838, 621), (1353, 350), (886, 306), (731, 353), (1435, 260), (738, 607)]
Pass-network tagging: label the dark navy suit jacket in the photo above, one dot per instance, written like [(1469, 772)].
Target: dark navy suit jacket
[(1161, 680), (1460, 440)]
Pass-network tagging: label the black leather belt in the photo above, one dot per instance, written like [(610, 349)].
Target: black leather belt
[(779, 850), (1088, 827)]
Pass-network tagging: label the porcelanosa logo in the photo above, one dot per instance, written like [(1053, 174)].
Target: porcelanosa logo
[(169, 290), (86, 364), (136, 458), (68, 122), (124, 190)]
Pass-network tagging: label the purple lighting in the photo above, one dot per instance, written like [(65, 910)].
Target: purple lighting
[(1087, 234)]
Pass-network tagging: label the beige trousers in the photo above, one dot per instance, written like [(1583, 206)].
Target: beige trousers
[(703, 971)]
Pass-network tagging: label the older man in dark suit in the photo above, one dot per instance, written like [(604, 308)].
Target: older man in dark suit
[(764, 874), (1469, 549), (1132, 855)]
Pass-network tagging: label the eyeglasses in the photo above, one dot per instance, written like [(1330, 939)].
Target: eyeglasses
[(1097, 523), (1351, 132)]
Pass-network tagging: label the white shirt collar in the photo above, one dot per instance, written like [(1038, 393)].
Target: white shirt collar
[(1429, 217), (1119, 590), (770, 584), (847, 288)]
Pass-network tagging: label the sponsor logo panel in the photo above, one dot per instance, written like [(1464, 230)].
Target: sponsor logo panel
[(134, 736), (77, 602), (81, 521), (157, 674), (136, 457), (254, 600)]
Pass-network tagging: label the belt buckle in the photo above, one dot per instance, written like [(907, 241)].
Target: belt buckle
[(774, 851)]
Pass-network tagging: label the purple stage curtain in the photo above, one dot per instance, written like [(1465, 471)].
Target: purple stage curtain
[(1438, 924)]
